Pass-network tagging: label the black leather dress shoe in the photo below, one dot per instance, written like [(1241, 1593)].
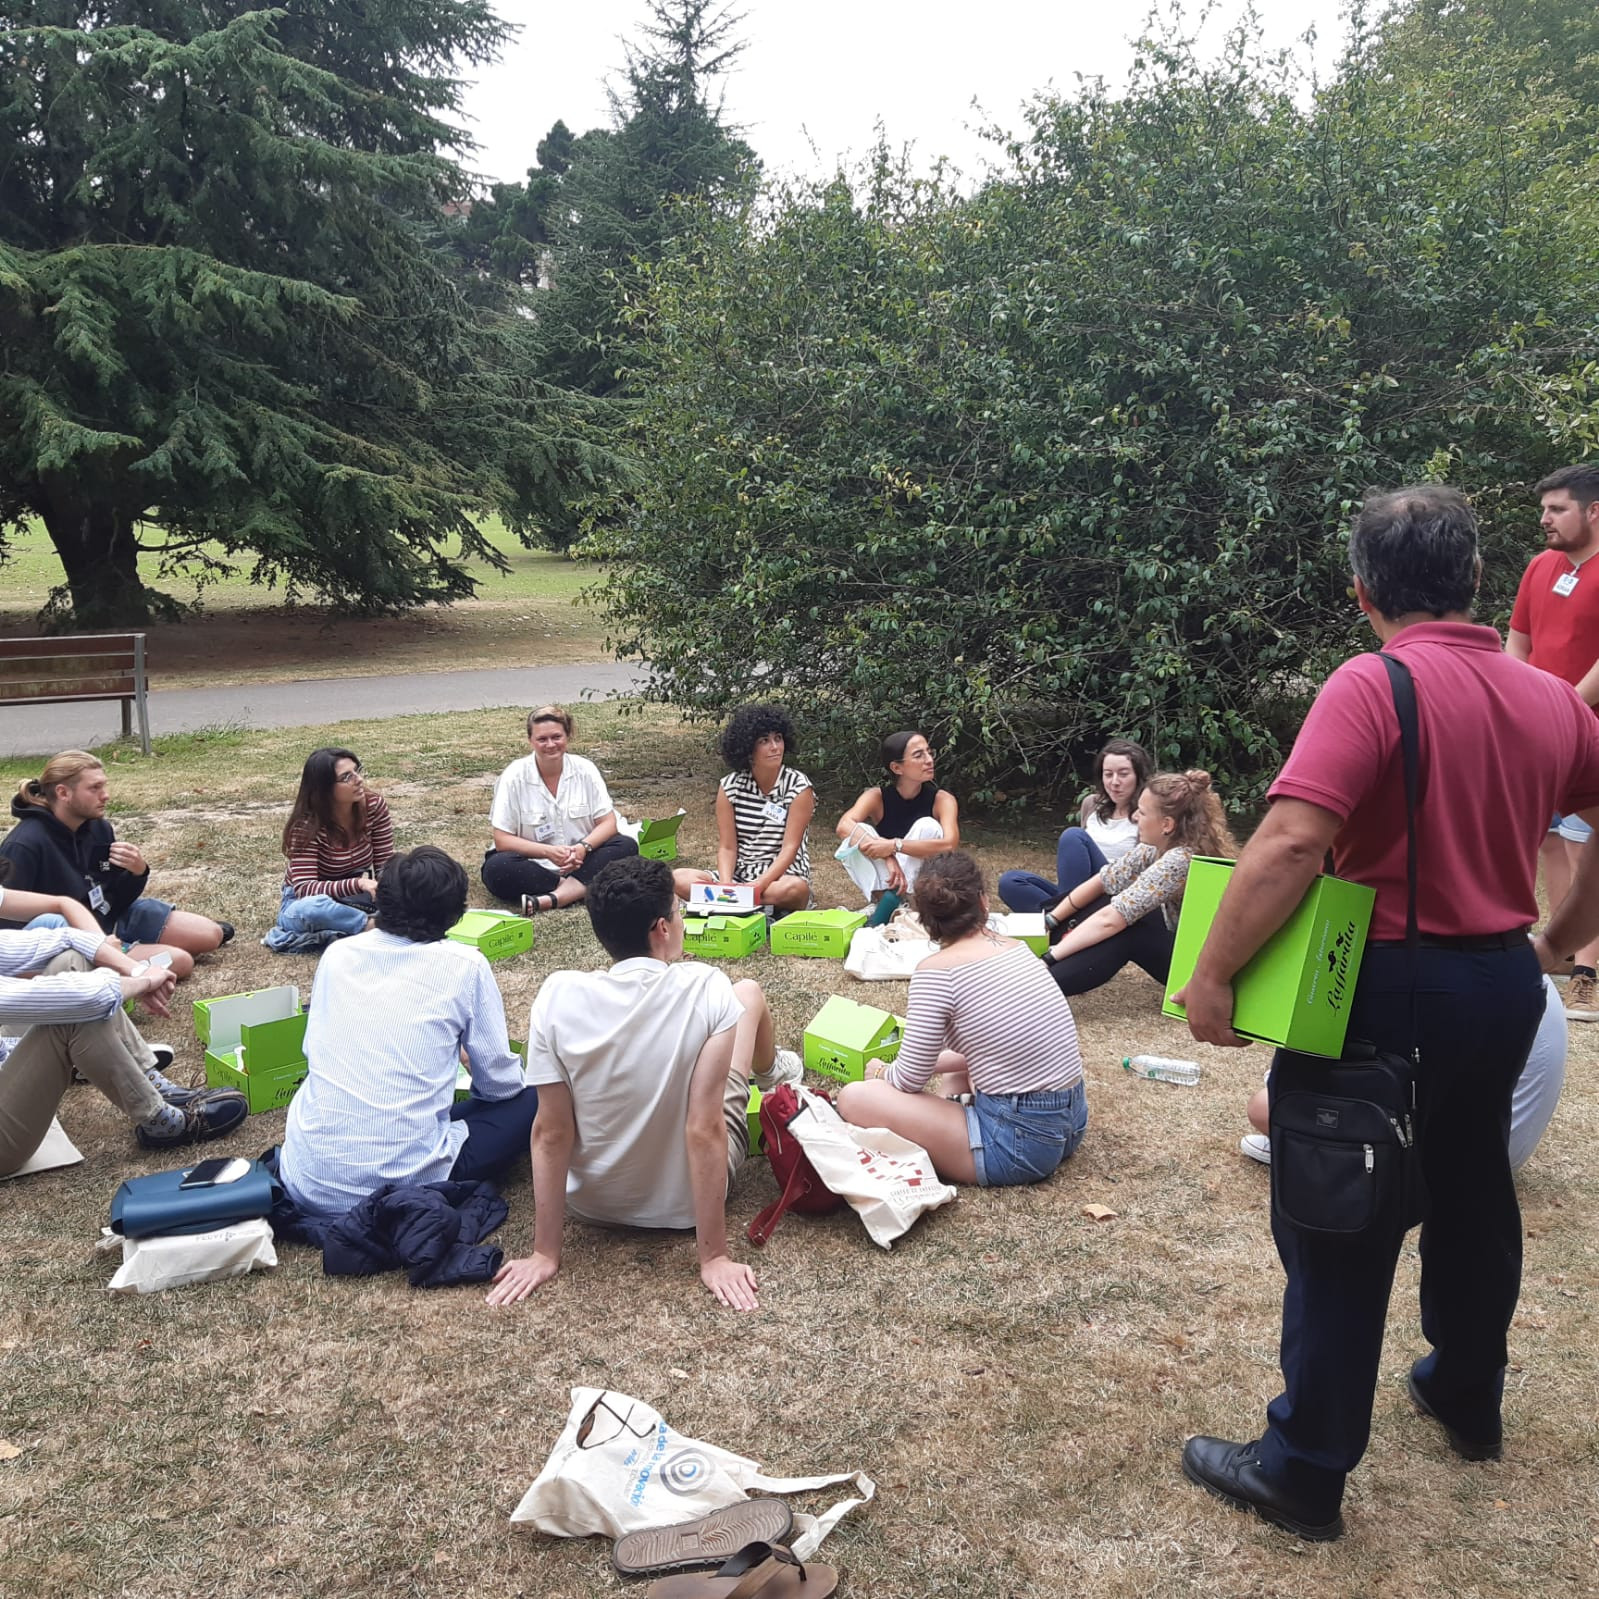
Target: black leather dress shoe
[(1232, 1472), (1466, 1448)]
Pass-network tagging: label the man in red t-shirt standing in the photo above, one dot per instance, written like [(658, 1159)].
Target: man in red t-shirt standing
[(1555, 627), (1501, 746)]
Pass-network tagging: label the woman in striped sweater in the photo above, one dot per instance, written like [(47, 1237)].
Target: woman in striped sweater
[(985, 1016), (338, 840)]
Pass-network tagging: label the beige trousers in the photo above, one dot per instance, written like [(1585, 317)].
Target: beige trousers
[(38, 1072)]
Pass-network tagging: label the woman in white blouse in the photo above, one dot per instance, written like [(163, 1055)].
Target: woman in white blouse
[(553, 821), (1105, 834)]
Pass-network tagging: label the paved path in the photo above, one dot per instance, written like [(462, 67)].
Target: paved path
[(309, 703)]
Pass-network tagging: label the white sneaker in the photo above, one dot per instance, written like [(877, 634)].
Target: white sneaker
[(1257, 1146), (787, 1067)]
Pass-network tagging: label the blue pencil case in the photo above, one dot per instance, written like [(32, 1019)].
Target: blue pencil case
[(145, 1207)]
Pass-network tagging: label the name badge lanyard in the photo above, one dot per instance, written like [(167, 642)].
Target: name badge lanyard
[(1565, 583)]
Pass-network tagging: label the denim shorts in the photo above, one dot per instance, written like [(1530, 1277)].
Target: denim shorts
[(1571, 828), (1022, 1138), (144, 921)]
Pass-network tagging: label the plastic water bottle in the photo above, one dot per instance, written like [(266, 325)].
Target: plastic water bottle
[(1162, 1068)]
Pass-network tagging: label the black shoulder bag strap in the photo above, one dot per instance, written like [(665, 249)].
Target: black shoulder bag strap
[(1404, 692)]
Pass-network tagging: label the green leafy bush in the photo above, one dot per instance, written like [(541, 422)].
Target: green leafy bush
[(1074, 455)]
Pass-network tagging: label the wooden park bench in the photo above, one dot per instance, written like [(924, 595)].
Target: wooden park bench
[(78, 666)]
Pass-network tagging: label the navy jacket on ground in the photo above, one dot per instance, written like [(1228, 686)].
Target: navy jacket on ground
[(433, 1231), (47, 857)]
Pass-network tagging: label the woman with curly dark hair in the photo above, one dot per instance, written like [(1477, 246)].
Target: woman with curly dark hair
[(763, 807)]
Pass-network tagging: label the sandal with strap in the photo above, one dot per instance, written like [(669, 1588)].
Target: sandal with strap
[(757, 1571), (702, 1544), (533, 904)]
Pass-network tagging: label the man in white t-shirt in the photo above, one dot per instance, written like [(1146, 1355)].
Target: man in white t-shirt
[(643, 1073)]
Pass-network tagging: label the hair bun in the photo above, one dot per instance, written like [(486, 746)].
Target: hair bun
[(1198, 777)]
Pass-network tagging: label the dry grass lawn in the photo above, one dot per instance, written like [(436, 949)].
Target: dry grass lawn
[(1018, 1378)]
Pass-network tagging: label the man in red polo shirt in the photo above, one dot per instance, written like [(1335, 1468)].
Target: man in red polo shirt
[(1555, 627), (1501, 747)]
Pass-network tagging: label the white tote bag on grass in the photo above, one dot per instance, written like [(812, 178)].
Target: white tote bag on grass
[(619, 1467), (887, 1180), (878, 955)]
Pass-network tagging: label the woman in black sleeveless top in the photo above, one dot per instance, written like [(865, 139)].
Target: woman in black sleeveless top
[(890, 830)]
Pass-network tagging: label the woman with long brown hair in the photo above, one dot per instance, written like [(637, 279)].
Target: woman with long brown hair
[(1002, 1042), (1105, 831), (1127, 911), (338, 839)]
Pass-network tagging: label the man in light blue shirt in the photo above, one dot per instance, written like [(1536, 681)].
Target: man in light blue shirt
[(392, 1010), (58, 1016)]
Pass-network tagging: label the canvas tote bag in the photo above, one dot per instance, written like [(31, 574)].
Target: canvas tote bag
[(887, 1180), (620, 1467)]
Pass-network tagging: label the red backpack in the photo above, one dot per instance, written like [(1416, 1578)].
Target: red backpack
[(802, 1189)]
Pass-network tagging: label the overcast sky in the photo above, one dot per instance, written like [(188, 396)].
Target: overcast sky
[(817, 74)]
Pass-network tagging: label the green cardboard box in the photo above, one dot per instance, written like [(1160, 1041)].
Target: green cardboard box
[(824, 933), (843, 1036), (657, 840), (724, 937), (755, 1119), (265, 1089), (265, 1004), (1026, 927), (254, 1042), (1296, 990), (499, 934)]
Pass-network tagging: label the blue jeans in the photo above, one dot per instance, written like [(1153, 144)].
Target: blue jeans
[(45, 919), (1077, 858), (1022, 1138), (497, 1135), (1573, 829), (144, 921), (319, 913), (1476, 1013)]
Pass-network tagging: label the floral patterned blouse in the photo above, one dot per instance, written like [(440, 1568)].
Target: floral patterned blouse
[(1141, 882)]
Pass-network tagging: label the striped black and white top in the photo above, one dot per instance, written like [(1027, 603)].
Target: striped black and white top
[(760, 820), (1004, 1014)]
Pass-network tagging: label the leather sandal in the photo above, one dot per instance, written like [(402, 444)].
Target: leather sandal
[(702, 1544), (757, 1571)]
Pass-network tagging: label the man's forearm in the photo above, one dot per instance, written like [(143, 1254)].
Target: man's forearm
[(707, 1171), (1588, 687), (552, 1158), (1575, 922), (1268, 882)]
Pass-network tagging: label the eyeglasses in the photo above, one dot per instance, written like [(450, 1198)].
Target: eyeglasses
[(601, 1423), (351, 776)]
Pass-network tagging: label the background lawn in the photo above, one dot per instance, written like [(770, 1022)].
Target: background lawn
[(243, 633), (1018, 1378)]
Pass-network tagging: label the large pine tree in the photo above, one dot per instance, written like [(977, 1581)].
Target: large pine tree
[(616, 205), (227, 308)]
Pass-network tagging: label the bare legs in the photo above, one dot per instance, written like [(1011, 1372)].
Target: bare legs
[(754, 1039), (934, 1121)]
